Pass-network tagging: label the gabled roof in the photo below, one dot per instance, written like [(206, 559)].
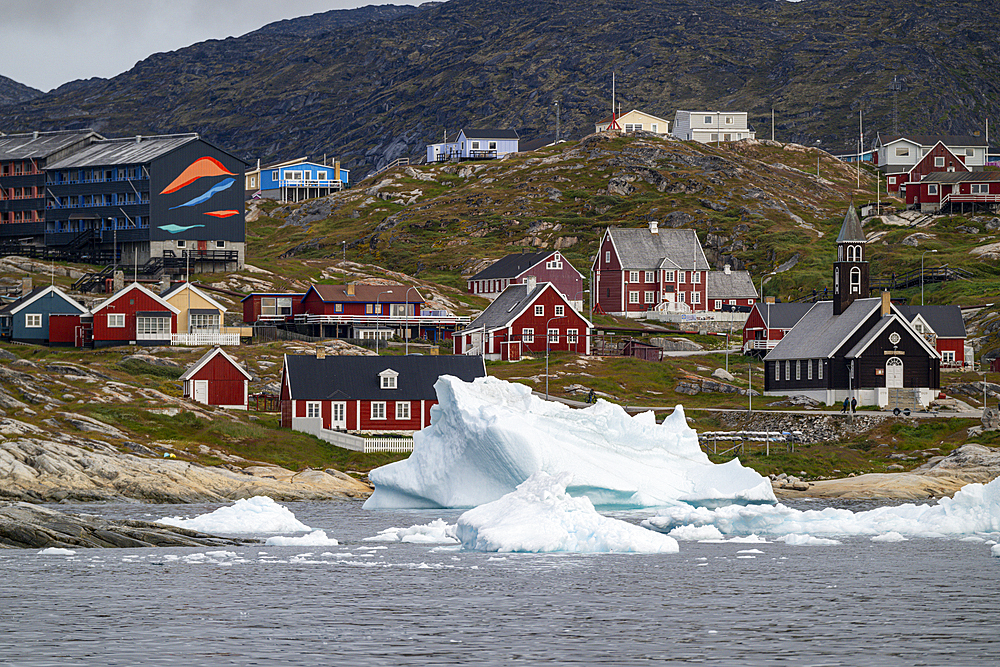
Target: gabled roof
[(962, 177), (782, 315), (134, 150), (511, 303), (41, 144), (364, 293), (732, 285), (946, 321), (357, 377), (513, 265), (36, 294), (667, 249), (536, 143), (931, 139), (607, 119), (180, 287), (820, 333), (489, 133), (880, 328), (207, 357), (930, 154), (134, 286), (851, 231), (278, 165), (253, 294)]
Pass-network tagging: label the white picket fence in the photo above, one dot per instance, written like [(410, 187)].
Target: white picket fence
[(199, 338), (388, 444)]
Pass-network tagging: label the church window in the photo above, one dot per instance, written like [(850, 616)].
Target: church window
[(819, 369), (788, 370), (855, 280)]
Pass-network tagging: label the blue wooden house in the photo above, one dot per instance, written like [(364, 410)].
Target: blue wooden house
[(296, 180), (43, 316), (485, 144)]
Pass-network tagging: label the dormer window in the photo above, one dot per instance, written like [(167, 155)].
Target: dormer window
[(387, 379)]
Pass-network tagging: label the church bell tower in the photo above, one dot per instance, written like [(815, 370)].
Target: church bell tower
[(850, 271)]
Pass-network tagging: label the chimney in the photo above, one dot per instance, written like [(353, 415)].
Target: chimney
[(727, 269), (350, 289), (320, 352), (652, 227), (530, 282), (34, 135), (26, 285), (138, 138), (886, 304), (164, 283)]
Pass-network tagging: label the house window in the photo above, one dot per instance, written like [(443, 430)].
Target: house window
[(320, 175), (969, 152), (708, 120), (980, 189), (402, 410), (313, 409), (653, 128), (938, 161), (819, 369), (338, 307), (809, 369), (220, 244), (633, 297), (729, 120), (853, 253), (788, 370), (902, 151), (116, 320), (560, 311), (607, 256), (528, 335), (33, 320), (274, 175), (892, 180), (855, 280), (948, 356), (492, 145), (668, 276), (932, 188), (718, 304), (378, 409), (777, 371), (695, 297), (715, 137), (539, 311), (571, 336), (152, 328), (181, 243), (475, 145), (388, 382), (553, 335), (650, 277), (696, 277), (204, 321), (649, 297), (633, 276), (798, 369), (681, 278), (680, 297)]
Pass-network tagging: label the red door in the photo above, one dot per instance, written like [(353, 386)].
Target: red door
[(202, 247)]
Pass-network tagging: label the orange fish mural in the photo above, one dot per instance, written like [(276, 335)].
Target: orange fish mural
[(221, 214), (200, 168)]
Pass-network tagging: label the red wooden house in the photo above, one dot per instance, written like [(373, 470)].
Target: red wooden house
[(358, 310), (940, 158), (637, 270), (217, 379), (367, 394), (768, 323), (944, 328), (271, 306), (958, 190), (133, 316), (547, 267), (525, 319)]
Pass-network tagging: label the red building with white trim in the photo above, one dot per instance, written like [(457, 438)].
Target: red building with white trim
[(217, 379), (547, 267), (132, 316), (966, 191)]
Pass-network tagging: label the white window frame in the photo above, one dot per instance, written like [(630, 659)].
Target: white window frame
[(777, 371), (980, 188), (607, 256), (633, 276), (378, 410), (819, 369), (649, 296), (669, 276), (855, 280), (33, 320), (320, 175), (938, 160), (902, 151), (492, 145), (474, 146), (152, 328), (681, 297), (633, 297), (220, 244), (527, 335), (402, 410), (203, 322), (708, 120), (388, 382), (181, 243), (554, 335), (313, 409), (696, 277), (948, 356), (539, 310), (116, 320), (809, 369), (560, 310), (932, 188), (650, 276), (718, 304), (798, 370), (788, 370), (571, 336), (695, 297)]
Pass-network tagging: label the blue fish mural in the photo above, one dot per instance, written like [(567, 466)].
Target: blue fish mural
[(175, 229), (215, 189)]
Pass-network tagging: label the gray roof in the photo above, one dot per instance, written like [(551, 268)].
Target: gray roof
[(851, 230), (961, 177), (946, 321), (732, 285), (511, 266), (40, 144), (24, 297), (506, 306), (124, 151), (820, 333), (490, 133), (667, 249), (782, 315), (357, 377)]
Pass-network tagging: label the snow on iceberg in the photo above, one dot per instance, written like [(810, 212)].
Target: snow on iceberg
[(437, 531), (488, 436), (259, 514), (317, 538), (974, 509), (541, 517)]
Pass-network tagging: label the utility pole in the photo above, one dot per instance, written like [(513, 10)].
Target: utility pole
[(557, 120)]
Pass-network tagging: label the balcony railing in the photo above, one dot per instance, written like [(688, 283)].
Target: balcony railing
[(382, 320)]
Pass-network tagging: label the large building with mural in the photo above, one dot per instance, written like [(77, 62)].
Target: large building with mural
[(140, 198)]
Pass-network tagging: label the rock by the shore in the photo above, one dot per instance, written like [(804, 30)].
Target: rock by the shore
[(27, 526)]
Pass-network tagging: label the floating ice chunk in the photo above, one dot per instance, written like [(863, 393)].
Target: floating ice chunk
[(696, 533), (435, 532), (56, 551), (974, 509), (891, 536), (797, 540), (752, 538), (488, 436), (317, 538), (749, 551), (995, 550), (540, 516), (259, 514)]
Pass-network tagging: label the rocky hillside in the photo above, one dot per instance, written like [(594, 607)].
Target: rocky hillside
[(12, 92), (376, 85)]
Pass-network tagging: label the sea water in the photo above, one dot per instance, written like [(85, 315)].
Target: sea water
[(923, 601)]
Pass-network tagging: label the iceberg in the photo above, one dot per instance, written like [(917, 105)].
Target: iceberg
[(974, 509), (259, 514), (317, 538), (437, 531), (488, 436), (539, 516)]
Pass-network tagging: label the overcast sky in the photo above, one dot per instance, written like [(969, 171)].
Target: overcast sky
[(49, 42)]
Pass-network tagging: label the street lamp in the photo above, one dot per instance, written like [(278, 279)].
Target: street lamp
[(922, 274), (406, 330), (378, 314), (556, 317), (343, 246)]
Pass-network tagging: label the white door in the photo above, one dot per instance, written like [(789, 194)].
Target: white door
[(201, 391), (339, 418), (894, 373)]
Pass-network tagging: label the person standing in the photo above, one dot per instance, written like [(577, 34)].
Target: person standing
[(854, 405), (847, 403)]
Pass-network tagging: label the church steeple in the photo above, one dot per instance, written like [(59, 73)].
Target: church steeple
[(850, 271)]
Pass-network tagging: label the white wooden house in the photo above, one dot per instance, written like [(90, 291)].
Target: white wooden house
[(712, 126)]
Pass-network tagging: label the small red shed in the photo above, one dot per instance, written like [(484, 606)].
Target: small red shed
[(217, 379)]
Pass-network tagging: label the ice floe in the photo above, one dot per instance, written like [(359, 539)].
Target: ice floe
[(56, 551), (488, 436), (540, 516), (317, 538), (435, 532), (254, 515)]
